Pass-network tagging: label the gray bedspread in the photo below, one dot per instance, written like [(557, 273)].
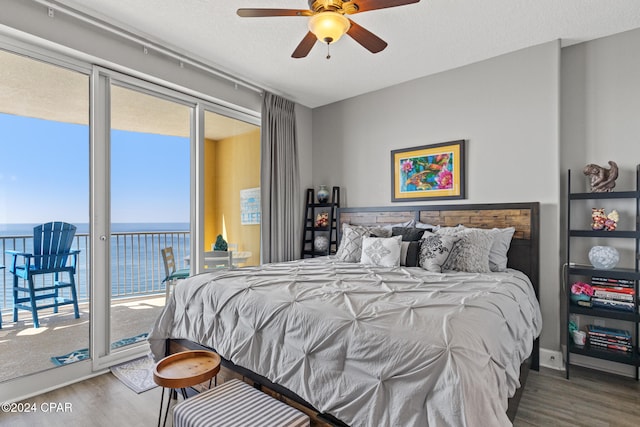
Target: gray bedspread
[(372, 346)]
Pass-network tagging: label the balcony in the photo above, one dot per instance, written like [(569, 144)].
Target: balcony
[(137, 298)]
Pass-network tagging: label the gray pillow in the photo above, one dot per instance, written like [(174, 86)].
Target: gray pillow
[(471, 252), (500, 247), (434, 251)]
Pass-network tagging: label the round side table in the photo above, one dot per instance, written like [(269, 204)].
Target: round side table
[(182, 370)]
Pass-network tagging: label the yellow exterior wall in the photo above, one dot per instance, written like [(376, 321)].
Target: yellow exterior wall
[(210, 225), (231, 165)]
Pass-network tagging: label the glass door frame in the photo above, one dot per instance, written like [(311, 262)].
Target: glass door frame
[(102, 81)]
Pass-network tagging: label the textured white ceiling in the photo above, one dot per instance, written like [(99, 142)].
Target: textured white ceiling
[(424, 38)]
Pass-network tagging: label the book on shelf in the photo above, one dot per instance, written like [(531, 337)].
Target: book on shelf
[(612, 304), (614, 294), (610, 340), (584, 303), (608, 332), (610, 346), (610, 282)]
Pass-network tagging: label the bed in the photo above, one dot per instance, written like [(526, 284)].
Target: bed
[(369, 345)]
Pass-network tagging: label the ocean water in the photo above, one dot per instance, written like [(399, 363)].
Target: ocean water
[(137, 267)]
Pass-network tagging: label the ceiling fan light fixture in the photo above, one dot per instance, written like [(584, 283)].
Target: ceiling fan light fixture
[(328, 27)]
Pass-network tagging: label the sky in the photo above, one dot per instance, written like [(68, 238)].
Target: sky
[(44, 174)]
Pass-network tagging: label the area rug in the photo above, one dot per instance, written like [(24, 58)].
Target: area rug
[(83, 354), (136, 374)]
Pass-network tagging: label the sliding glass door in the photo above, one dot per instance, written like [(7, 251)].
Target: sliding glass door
[(137, 168), (150, 148), (44, 177)]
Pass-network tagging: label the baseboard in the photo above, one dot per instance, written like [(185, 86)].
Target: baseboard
[(551, 359)]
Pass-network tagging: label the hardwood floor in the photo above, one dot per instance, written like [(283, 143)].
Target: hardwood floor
[(590, 399)]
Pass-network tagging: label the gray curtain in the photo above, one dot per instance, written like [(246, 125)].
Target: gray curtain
[(279, 180)]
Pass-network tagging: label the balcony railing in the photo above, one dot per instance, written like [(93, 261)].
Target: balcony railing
[(136, 263)]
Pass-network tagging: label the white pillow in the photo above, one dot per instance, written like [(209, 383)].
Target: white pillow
[(381, 251), (429, 227), (389, 227)]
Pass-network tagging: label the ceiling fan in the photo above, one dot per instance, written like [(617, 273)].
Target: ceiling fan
[(327, 22)]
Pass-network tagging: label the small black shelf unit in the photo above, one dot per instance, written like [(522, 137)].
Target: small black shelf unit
[(311, 231), (633, 317)]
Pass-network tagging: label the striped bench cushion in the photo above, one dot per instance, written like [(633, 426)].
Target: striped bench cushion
[(236, 404)]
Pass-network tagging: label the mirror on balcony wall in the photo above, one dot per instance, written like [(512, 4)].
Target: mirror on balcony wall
[(231, 181), (44, 177)]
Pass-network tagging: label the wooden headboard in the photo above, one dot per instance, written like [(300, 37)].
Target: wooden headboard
[(525, 217)]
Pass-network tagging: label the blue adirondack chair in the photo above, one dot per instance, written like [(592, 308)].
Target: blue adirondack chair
[(51, 251)]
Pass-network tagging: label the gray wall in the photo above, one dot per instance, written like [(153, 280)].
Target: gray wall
[(601, 106), (600, 121), (507, 108)]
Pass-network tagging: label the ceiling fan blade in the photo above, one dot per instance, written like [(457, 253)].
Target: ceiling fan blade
[(366, 38), (260, 13), (305, 46), (366, 5)]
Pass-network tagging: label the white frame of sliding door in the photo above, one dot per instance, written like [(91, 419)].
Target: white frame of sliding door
[(103, 80)]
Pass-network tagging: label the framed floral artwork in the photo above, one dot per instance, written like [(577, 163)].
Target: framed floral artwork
[(429, 172)]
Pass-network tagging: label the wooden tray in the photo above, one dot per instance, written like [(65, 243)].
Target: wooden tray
[(186, 369)]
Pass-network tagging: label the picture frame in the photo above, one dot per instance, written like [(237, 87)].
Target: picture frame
[(428, 172)]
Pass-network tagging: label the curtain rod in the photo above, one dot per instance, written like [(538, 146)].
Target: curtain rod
[(145, 43)]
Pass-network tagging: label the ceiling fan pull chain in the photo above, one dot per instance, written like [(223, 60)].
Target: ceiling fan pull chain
[(328, 52)]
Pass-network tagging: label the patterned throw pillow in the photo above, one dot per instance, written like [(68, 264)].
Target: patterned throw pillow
[(471, 252), (434, 251), (350, 247), (499, 248), (381, 251)]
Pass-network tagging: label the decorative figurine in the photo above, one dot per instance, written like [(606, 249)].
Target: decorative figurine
[(612, 221), (601, 221), (221, 244), (322, 219), (602, 180), (598, 218)]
